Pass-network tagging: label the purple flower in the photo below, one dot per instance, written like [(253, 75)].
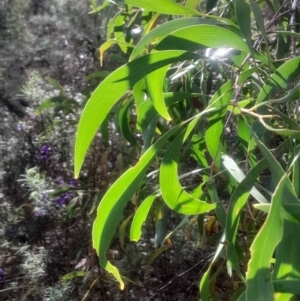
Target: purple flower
[(73, 183), (64, 198), (45, 152)]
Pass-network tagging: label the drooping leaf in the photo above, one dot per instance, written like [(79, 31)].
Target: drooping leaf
[(140, 217), (156, 90), (177, 198), (120, 81), (110, 210)]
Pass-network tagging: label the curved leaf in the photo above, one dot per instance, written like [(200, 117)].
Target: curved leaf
[(140, 217), (156, 90), (110, 209), (120, 81), (162, 31), (146, 111), (172, 192), (196, 36)]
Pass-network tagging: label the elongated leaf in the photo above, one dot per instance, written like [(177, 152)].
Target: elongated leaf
[(146, 111), (280, 80), (287, 265), (157, 34), (164, 7), (213, 139), (161, 226), (196, 37), (236, 205), (120, 81), (262, 249), (288, 212), (124, 121), (204, 283), (177, 198), (260, 22), (243, 16), (239, 176), (156, 90), (110, 210), (289, 286), (140, 217)]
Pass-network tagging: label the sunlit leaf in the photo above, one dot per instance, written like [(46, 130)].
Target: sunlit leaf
[(120, 81), (162, 31), (140, 217), (177, 198), (156, 90), (110, 210)]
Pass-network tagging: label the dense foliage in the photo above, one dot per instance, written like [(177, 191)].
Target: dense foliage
[(215, 84)]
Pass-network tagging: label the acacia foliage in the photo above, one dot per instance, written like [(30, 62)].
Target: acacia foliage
[(235, 114)]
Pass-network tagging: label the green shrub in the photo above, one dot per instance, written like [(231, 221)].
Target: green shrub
[(234, 113)]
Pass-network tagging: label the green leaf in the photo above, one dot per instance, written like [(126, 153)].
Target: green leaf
[(280, 80), (146, 111), (240, 177), (140, 217), (242, 10), (120, 81), (260, 22), (288, 212), (122, 230), (165, 7), (110, 209), (195, 37), (104, 47), (177, 198), (289, 286), (162, 31), (99, 8), (204, 283), (237, 203), (161, 226), (155, 91), (262, 249), (73, 275), (213, 139), (123, 120)]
